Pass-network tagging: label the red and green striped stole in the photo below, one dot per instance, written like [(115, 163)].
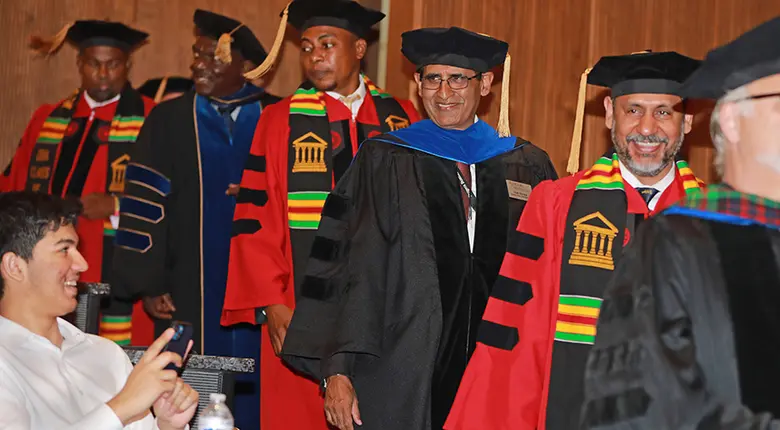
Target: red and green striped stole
[(577, 317), (374, 90), (310, 102), (605, 175), (125, 129), (304, 209), (116, 328), (307, 102), (53, 130)]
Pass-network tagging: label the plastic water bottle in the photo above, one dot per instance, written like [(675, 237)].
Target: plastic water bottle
[(217, 415)]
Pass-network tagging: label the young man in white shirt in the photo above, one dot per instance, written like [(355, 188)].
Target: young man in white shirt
[(53, 376)]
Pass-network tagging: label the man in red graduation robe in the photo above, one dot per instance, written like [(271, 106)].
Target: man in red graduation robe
[(302, 146), (540, 322), (79, 147)]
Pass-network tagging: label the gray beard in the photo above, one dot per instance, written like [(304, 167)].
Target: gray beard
[(645, 171)]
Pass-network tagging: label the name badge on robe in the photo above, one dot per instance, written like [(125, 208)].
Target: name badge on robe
[(518, 190)]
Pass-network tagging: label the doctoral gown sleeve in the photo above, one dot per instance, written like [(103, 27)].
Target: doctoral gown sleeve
[(141, 242), (655, 363), (14, 177), (260, 268), (502, 387), (340, 314)]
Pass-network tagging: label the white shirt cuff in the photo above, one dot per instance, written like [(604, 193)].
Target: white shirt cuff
[(101, 418)]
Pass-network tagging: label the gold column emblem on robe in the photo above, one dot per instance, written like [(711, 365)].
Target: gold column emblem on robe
[(309, 154), (593, 243), (118, 169), (396, 122), (42, 155)]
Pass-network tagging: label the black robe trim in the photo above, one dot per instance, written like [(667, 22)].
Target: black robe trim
[(751, 274), (397, 308)]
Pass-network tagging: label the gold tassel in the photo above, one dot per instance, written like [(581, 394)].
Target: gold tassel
[(269, 61), (158, 96), (223, 51), (503, 112), (50, 46), (576, 138)]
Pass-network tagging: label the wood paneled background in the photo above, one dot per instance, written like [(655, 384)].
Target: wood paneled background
[(551, 41)]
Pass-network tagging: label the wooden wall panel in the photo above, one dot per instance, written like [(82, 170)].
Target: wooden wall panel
[(689, 27), (31, 81), (552, 42)]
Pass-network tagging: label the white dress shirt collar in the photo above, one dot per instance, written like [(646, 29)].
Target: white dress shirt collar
[(94, 105), (661, 185), (360, 93)]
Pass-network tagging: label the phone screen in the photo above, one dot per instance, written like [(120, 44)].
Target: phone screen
[(181, 338)]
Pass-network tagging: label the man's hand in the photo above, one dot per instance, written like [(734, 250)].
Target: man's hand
[(341, 403), (176, 408), (98, 205), (147, 382), (279, 317), (233, 189), (160, 307)]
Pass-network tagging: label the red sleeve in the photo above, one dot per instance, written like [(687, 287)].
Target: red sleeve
[(148, 105), (260, 268), (14, 178), (503, 385), (410, 110)]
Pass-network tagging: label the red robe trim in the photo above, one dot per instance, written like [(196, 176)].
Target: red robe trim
[(260, 271), (90, 231), (507, 389)]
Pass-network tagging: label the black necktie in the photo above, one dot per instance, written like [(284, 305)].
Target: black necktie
[(647, 194), (226, 111)]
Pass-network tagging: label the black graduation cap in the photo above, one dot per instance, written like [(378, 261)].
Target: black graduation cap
[(88, 33), (462, 48), (346, 14), (750, 57), (645, 72), (158, 87), (229, 33), (303, 14), (453, 46)]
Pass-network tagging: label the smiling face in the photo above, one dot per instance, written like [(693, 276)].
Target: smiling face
[(46, 282), (212, 77), (647, 131), (103, 71), (447, 107), (330, 58)]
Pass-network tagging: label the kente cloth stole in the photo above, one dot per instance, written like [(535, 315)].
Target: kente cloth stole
[(320, 152), (720, 202), (122, 134), (593, 242)]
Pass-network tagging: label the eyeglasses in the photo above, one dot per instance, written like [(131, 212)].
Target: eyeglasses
[(456, 82), (756, 97)]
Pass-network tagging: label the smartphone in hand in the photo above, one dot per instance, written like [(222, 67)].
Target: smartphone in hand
[(182, 334)]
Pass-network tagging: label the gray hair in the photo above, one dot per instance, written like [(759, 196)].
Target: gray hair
[(718, 138)]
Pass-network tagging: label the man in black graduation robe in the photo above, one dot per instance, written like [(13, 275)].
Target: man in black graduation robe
[(409, 245), (173, 241), (688, 336)]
